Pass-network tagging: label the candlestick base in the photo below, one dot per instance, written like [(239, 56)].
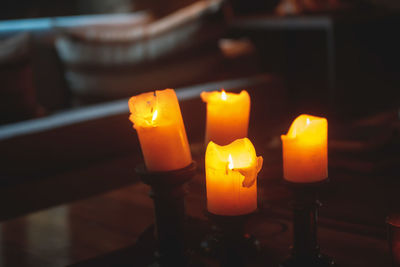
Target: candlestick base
[(229, 241), (319, 260), (168, 191), (305, 204)]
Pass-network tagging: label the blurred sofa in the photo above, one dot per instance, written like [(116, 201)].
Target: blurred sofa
[(62, 62)]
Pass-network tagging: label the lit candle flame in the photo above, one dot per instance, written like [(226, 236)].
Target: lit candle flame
[(230, 165), (308, 121), (154, 115), (223, 95)]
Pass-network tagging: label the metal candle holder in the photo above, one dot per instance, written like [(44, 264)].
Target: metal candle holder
[(232, 243), (167, 192), (305, 249)]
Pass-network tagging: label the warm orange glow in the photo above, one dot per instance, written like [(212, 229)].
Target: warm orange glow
[(157, 118), (154, 115), (223, 95), (305, 150), (231, 177), (230, 164), (227, 116)]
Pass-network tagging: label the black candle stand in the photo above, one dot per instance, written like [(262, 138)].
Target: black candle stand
[(229, 241), (168, 192), (305, 250)]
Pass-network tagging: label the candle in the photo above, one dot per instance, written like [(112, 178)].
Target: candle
[(227, 116), (157, 118), (231, 177), (305, 150)]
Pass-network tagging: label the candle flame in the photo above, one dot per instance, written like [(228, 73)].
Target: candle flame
[(230, 165), (300, 125), (223, 95), (154, 115)]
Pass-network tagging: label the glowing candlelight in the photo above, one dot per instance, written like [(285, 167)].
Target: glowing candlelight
[(154, 116), (231, 177), (230, 160), (227, 116), (223, 95), (305, 150), (157, 118)]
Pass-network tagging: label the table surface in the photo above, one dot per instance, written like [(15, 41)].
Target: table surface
[(85, 231), (94, 213)]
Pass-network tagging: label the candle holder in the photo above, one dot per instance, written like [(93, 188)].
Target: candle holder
[(393, 234), (230, 242), (305, 250), (168, 192)]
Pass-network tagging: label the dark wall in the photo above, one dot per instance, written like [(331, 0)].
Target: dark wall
[(48, 8), (36, 8)]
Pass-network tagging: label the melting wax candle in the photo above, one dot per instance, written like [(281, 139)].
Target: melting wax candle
[(305, 150), (157, 118), (227, 116), (231, 177)]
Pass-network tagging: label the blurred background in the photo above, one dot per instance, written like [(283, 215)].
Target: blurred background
[(337, 54)]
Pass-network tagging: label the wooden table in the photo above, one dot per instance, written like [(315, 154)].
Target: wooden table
[(102, 231)]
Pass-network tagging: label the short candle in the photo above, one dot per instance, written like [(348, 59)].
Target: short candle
[(227, 116), (305, 150), (231, 178), (157, 118)]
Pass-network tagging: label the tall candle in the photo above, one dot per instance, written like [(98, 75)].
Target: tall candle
[(231, 177), (227, 116), (157, 118), (305, 150)]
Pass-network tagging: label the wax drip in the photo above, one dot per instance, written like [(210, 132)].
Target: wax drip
[(250, 173)]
